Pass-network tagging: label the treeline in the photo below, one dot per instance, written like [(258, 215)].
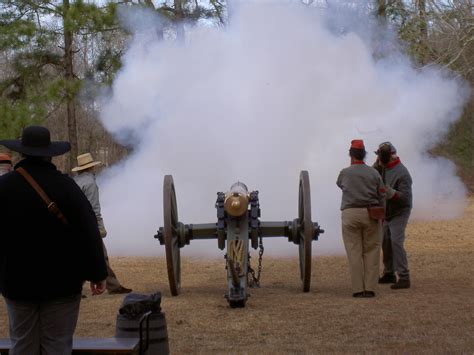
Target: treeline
[(51, 50)]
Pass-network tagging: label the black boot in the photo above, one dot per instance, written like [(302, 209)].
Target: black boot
[(388, 278), (369, 294), (401, 284), (120, 290)]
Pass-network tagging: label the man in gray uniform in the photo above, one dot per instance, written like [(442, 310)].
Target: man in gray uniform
[(398, 185), (86, 181)]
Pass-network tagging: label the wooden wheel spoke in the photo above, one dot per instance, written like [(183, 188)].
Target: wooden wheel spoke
[(171, 236), (306, 230)]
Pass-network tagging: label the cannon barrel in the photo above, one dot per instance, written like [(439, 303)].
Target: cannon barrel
[(236, 200)]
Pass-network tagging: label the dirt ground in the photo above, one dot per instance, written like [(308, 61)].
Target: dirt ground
[(435, 316)]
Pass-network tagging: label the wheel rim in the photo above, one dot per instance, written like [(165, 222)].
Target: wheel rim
[(170, 231), (305, 232)]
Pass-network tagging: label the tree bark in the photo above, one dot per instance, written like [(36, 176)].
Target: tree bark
[(423, 28), (179, 16), (70, 96), (381, 8)]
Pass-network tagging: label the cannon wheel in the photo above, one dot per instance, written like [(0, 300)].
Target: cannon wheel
[(170, 233), (305, 230)]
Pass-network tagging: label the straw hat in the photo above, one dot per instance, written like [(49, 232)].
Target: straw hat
[(85, 161), (5, 158)]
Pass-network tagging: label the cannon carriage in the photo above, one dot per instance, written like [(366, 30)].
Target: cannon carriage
[(238, 228)]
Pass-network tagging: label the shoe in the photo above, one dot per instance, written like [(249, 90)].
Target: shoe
[(388, 278), (358, 294), (120, 291), (369, 294), (401, 284)]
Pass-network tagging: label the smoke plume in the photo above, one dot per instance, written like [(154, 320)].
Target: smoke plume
[(282, 88)]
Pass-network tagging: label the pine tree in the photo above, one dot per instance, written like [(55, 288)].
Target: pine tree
[(38, 47)]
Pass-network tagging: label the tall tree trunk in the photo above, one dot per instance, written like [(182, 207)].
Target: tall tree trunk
[(70, 97), (159, 30), (179, 16), (381, 8), (423, 28)]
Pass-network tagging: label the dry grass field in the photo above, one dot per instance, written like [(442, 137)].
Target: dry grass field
[(435, 316)]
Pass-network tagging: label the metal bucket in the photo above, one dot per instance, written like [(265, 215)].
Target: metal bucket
[(153, 335)]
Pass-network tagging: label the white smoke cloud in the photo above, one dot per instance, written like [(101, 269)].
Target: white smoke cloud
[(279, 90)]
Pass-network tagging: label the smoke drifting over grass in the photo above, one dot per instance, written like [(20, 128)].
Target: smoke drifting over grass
[(280, 89)]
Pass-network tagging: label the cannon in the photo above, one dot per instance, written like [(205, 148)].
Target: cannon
[(238, 228)]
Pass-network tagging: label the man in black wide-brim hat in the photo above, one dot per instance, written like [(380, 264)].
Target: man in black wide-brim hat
[(49, 245)]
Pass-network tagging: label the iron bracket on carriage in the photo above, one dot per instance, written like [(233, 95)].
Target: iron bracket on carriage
[(238, 228)]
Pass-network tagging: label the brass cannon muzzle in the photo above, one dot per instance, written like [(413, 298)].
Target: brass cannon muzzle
[(236, 201)]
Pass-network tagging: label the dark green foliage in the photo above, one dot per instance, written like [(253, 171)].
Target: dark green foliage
[(33, 83), (15, 117), (15, 34), (458, 145), (459, 142), (191, 12), (85, 17), (107, 64)]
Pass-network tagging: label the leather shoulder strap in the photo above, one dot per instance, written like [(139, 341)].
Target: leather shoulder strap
[(52, 207)]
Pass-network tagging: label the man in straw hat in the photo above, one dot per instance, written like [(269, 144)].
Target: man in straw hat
[(362, 192), (49, 246), (5, 163), (86, 181)]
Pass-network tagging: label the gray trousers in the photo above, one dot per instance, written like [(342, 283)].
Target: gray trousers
[(44, 328), (394, 254)]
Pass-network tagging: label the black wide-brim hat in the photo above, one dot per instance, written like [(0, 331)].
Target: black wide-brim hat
[(36, 141)]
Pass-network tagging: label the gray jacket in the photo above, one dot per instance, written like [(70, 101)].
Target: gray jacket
[(396, 175), (361, 186), (88, 185)]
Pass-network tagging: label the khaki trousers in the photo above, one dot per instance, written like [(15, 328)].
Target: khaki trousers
[(111, 283), (362, 238)]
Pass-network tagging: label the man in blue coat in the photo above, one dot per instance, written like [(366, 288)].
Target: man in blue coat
[(45, 253)]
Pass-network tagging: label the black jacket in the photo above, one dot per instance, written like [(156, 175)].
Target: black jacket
[(41, 258)]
